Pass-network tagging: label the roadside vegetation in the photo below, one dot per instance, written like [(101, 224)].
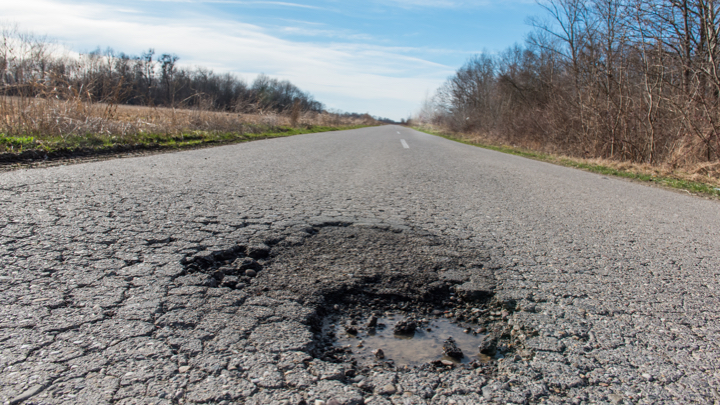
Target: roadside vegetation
[(55, 104), (622, 87), (663, 176)]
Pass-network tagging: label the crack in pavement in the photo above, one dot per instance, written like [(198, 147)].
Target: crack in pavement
[(595, 305)]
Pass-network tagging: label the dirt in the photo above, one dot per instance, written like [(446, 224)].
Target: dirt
[(348, 275)]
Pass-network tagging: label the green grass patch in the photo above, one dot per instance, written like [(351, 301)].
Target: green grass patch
[(190, 139), (16, 143), (670, 182)]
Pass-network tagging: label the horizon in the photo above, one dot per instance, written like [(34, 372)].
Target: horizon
[(383, 57)]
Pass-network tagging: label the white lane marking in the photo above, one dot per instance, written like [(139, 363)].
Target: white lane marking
[(404, 144)]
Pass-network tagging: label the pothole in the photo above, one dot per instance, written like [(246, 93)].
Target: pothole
[(349, 275), (234, 268), (435, 340)]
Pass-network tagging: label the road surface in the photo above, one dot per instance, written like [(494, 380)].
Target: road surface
[(126, 281)]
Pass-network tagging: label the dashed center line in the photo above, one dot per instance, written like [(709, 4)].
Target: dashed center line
[(404, 144)]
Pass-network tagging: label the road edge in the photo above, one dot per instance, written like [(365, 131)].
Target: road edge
[(35, 159), (697, 189)]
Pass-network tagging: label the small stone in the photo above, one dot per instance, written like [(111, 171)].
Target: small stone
[(487, 345), (387, 390), (481, 329), (372, 322), (379, 354), (405, 327), (333, 402), (250, 273), (319, 402), (179, 394), (615, 398), (447, 363), (451, 349), (184, 369), (351, 330)]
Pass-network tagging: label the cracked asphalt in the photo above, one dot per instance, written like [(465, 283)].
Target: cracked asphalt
[(610, 287)]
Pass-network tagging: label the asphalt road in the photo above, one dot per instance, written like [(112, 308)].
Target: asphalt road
[(107, 290)]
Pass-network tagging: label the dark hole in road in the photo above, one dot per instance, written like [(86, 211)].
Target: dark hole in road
[(426, 344), (234, 268), (350, 275)]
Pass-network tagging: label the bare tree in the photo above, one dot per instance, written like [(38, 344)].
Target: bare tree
[(623, 79)]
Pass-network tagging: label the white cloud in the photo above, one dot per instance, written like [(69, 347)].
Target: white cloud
[(381, 80), (241, 2), (314, 32), (427, 3), (453, 3)]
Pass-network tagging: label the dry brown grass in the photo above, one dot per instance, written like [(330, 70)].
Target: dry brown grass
[(49, 117), (705, 172), (684, 170)]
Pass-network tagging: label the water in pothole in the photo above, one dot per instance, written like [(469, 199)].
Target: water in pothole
[(425, 345)]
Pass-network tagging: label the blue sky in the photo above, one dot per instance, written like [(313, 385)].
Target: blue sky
[(381, 57)]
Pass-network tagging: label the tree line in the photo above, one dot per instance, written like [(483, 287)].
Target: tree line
[(32, 66), (635, 80)]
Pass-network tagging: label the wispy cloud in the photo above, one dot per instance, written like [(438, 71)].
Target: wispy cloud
[(350, 75), (241, 2), (426, 3), (452, 3), (335, 34)]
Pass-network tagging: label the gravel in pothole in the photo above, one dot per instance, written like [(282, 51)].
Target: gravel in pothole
[(433, 340), (428, 299)]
